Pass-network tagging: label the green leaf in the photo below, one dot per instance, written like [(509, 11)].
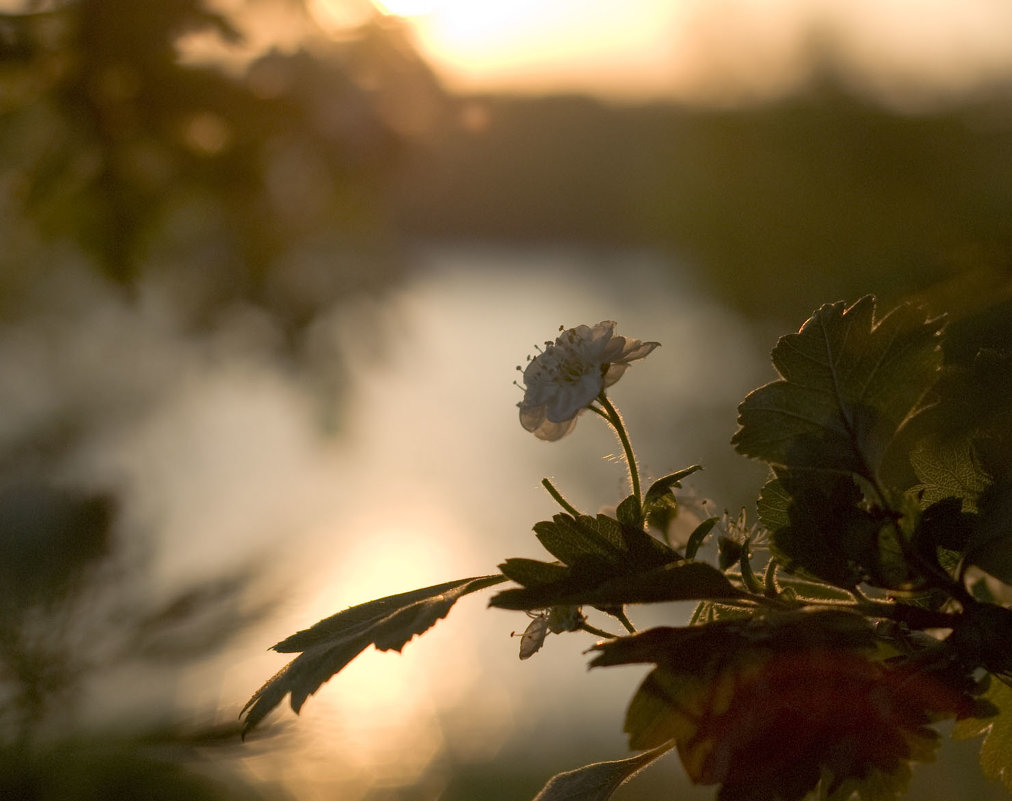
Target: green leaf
[(572, 539), (816, 592), (773, 505), (603, 561), (698, 535), (531, 572), (949, 469), (599, 781), (747, 574), (990, 544), (833, 536), (710, 611), (662, 709), (768, 708), (728, 551), (629, 512), (700, 650), (677, 581), (664, 485), (943, 524), (327, 647), (603, 541), (661, 513), (996, 749), (848, 383)]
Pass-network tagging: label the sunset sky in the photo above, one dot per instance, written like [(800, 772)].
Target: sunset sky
[(711, 50)]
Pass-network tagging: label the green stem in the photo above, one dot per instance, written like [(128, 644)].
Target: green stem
[(598, 632), (558, 497), (612, 415), (914, 616), (620, 615)]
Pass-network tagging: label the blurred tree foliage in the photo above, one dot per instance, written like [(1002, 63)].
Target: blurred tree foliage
[(262, 182), (822, 191), (128, 154), (71, 608)]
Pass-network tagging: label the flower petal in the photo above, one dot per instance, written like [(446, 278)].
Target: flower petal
[(566, 377)]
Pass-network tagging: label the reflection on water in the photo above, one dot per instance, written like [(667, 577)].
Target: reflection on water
[(434, 479), (218, 452)]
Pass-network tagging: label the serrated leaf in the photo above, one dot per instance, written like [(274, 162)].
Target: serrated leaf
[(598, 782), (531, 572), (832, 537), (996, 749), (773, 505), (677, 581), (848, 383), (563, 542), (711, 611), (327, 647), (597, 550), (572, 539), (771, 708), (949, 469), (665, 484)]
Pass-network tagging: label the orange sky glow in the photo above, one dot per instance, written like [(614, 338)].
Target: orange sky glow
[(706, 50)]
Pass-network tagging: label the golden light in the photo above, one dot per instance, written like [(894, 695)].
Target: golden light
[(407, 8), (535, 46), (702, 50)]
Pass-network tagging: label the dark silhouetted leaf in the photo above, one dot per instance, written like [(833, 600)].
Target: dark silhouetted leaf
[(603, 560), (532, 573), (709, 611), (664, 485), (696, 650), (728, 551), (943, 524), (629, 512), (572, 539), (745, 566), (698, 535), (982, 636), (677, 581), (848, 383), (791, 587), (833, 537), (598, 782), (768, 708), (388, 623), (990, 544), (661, 513)]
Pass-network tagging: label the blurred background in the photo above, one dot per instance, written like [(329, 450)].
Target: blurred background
[(267, 268)]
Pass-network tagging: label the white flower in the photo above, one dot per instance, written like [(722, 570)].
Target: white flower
[(563, 380)]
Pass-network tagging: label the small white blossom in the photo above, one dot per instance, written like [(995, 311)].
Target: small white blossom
[(565, 378)]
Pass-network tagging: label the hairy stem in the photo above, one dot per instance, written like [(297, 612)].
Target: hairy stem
[(598, 632), (620, 615), (611, 414), (558, 497)]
